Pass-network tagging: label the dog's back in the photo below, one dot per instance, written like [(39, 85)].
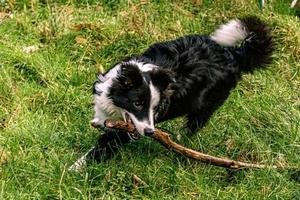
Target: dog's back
[(206, 68)]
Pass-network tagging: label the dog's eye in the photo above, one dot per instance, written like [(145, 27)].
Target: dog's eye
[(138, 104)]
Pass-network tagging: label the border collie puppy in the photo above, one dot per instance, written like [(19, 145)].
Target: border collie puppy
[(191, 76)]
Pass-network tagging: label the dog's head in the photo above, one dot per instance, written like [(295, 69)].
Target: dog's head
[(137, 90)]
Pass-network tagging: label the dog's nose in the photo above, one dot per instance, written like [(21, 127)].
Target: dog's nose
[(148, 131)]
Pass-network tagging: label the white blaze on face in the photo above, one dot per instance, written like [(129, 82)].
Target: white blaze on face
[(147, 123), (155, 98)]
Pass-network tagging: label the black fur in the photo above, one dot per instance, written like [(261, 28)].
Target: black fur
[(108, 144), (257, 48)]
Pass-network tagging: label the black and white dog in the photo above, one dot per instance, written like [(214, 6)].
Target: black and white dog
[(191, 76)]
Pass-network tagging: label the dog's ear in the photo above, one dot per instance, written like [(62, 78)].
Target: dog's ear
[(162, 79), (130, 76)]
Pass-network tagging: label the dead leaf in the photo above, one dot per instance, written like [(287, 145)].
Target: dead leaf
[(295, 4), (197, 2), (229, 144), (80, 40), (101, 68), (67, 10), (281, 161), (4, 15), (3, 156), (107, 176), (30, 49), (45, 30), (81, 26), (138, 181)]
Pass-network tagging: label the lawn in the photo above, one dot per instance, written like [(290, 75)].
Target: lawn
[(49, 54)]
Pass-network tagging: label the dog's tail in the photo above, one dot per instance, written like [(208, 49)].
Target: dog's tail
[(256, 41)]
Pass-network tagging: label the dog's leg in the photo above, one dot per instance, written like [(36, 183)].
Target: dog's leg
[(195, 121), (108, 144)]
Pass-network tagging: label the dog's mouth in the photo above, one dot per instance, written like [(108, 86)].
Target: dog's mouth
[(134, 135)]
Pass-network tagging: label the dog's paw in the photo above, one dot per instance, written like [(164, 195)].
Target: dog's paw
[(78, 165)]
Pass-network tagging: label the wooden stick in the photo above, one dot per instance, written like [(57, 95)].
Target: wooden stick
[(165, 140)]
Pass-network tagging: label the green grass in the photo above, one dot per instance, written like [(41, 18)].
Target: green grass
[(45, 103)]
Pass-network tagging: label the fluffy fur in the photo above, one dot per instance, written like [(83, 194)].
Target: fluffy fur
[(191, 76)]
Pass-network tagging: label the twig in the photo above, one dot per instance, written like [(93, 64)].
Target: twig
[(165, 140), (138, 181)]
